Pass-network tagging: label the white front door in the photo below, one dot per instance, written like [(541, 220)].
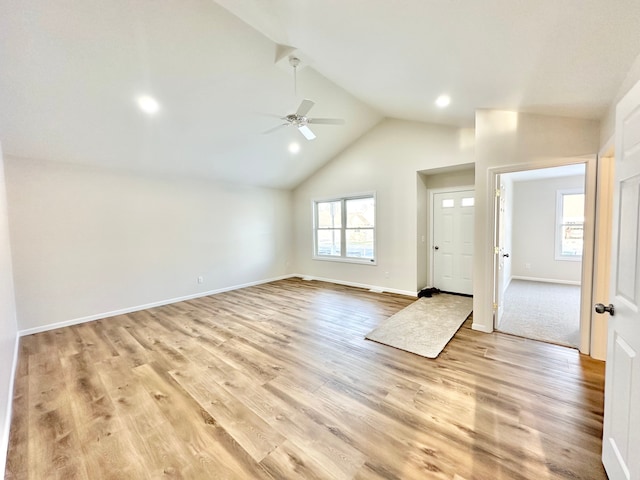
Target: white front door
[(621, 440), (453, 241)]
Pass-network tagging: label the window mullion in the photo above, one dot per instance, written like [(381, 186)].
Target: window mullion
[(335, 236), (343, 230)]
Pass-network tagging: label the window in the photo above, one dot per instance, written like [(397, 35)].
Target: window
[(569, 224), (345, 229)]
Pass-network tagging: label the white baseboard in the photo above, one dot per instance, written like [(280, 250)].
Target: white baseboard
[(113, 313), (4, 444), (481, 328), (373, 288), (122, 311), (546, 280)]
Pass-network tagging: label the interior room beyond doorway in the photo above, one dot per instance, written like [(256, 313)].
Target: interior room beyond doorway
[(540, 261)]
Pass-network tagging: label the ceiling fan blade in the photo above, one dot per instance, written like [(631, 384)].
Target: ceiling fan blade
[(304, 107), (306, 131), (275, 128), (326, 121)]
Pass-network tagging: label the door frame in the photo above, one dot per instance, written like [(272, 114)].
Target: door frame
[(602, 250), (431, 192), (586, 282)]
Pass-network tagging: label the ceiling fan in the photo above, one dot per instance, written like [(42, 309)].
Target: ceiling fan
[(299, 119)]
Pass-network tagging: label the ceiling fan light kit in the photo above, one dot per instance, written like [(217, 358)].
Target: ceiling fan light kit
[(299, 119)]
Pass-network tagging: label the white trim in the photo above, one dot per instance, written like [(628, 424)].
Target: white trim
[(4, 444), (332, 198), (21, 333), (560, 193), (343, 229), (328, 258), (485, 301), (113, 313), (374, 288), (481, 328), (546, 280)]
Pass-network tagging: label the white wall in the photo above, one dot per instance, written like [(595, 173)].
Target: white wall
[(508, 139), (8, 323), (608, 123), (450, 179), (534, 230), (385, 160), (88, 242)]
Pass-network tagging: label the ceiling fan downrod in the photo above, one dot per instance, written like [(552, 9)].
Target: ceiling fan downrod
[(294, 62)]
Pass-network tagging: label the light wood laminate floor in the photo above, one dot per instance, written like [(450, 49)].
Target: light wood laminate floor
[(277, 381)]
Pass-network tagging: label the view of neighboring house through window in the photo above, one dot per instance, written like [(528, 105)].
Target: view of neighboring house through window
[(569, 224), (345, 229)]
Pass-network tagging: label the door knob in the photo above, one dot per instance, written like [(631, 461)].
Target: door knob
[(506, 255), (436, 247), (600, 308)]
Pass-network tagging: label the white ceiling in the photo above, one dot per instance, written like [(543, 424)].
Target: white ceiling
[(70, 70)]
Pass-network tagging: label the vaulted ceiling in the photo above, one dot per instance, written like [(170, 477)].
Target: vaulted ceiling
[(70, 73)]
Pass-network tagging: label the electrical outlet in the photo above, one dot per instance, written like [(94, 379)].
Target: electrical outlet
[(527, 266), (386, 274), (200, 279)]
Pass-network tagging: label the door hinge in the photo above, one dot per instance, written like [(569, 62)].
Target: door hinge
[(497, 192), (496, 250), (495, 306)]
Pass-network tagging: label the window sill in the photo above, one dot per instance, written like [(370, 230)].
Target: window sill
[(577, 258), (364, 261)]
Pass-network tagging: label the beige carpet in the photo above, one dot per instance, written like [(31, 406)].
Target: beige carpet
[(549, 312), (426, 326)]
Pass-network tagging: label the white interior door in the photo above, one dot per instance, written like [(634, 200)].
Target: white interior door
[(621, 440), (501, 253), (453, 241)]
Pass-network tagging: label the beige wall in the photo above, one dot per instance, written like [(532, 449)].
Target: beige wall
[(8, 323), (385, 160), (89, 242), (510, 141)]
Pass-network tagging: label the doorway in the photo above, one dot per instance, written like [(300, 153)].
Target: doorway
[(539, 257), (452, 242), (428, 183)]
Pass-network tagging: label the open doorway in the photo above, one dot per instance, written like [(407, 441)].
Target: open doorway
[(540, 236)]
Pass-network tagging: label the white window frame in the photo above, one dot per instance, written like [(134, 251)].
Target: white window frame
[(343, 229), (558, 227)]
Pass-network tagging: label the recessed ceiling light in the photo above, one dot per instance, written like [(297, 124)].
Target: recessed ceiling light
[(443, 101), (294, 147), (148, 104)]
